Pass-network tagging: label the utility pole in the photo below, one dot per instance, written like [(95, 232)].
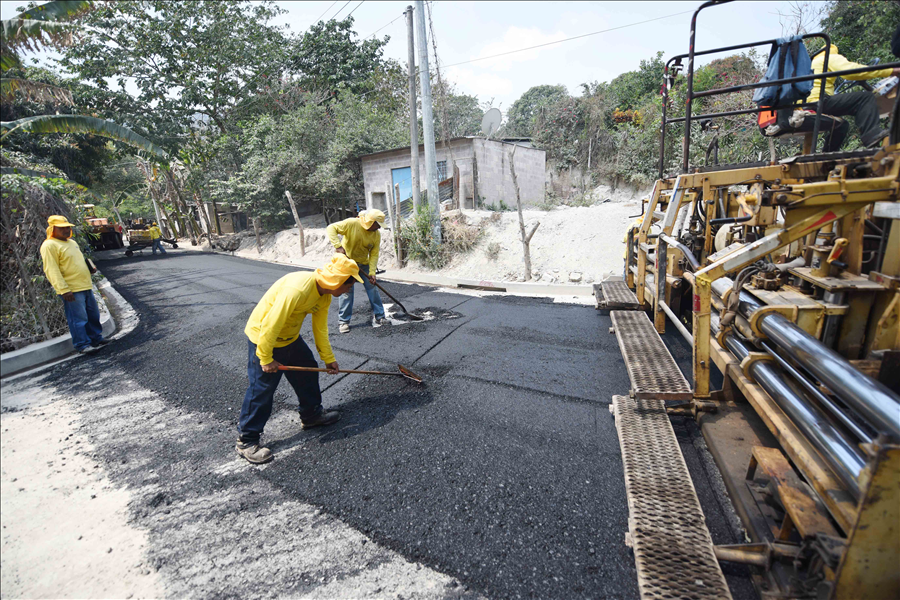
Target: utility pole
[(413, 113), (434, 200)]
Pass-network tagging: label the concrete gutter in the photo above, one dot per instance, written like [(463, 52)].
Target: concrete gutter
[(42, 352)]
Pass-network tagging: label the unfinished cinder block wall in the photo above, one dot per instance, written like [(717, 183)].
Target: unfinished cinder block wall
[(492, 184)]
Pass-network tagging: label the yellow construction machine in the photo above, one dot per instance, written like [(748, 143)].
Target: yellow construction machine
[(102, 235), (784, 277)]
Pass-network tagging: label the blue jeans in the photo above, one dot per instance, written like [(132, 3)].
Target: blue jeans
[(157, 245), (260, 396), (345, 302), (83, 317)]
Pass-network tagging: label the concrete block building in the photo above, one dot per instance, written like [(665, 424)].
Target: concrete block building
[(483, 170)]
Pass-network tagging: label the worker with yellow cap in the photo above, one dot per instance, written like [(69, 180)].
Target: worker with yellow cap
[(361, 241), (156, 239), (70, 275), (273, 333)]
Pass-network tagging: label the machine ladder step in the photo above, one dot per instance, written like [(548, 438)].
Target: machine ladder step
[(651, 368), (615, 294), (673, 550)]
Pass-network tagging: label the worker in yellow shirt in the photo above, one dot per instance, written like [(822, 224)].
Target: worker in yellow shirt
[(156, 239), (860, 105), (273, 333), (69, 274), (361, 242)]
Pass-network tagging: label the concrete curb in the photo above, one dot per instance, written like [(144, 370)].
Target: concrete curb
[(42, 352), (508, 287)]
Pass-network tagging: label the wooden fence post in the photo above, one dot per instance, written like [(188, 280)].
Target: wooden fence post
[(297, 220), (256, 228)]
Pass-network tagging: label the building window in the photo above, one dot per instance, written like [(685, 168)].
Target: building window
[(442, 170)]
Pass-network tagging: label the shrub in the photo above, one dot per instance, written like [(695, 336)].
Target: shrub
[(492, 251), (457, 237)]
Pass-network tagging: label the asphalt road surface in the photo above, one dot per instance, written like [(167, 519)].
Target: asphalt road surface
[(502, 472)]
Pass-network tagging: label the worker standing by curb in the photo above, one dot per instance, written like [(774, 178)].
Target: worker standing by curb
[(361, 242), (156, 239), (69, 274), (273, 333)]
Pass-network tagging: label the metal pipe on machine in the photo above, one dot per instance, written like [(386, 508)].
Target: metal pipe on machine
[(873, 401), (838, 450)]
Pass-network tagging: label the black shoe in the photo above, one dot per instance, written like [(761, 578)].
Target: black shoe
[(878, 139), (327, 417), (101, 343)]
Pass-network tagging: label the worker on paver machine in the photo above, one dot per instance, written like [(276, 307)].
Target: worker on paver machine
[(861, 104), (273, 333), (361, 242), (70, 275)]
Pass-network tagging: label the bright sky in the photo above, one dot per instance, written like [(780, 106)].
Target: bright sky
[(469, 30)]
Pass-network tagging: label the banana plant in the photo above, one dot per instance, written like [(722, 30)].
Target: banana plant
[(45, 25), (49, 25)]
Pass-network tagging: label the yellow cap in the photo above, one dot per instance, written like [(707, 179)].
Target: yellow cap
[(368, 217), (334, 274), (58, 221)]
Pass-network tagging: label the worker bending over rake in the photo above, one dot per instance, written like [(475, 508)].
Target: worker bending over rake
[(361, 242), (273, 333)]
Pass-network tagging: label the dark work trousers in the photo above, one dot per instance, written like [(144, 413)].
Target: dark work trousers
[(864, 110), (257, 406)]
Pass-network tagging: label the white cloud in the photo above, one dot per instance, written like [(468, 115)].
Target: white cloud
[(517, 38), (483, 85)]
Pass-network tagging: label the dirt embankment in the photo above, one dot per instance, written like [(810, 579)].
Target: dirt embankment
[(572, 244)]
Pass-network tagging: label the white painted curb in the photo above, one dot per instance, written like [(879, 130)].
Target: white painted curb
[(42, 352)]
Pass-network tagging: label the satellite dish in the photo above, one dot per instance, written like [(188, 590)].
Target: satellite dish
[(490, 122)]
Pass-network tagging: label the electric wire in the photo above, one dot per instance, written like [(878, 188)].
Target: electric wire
[(577, 37), (334, 16), (325, 11), (354, 10), (383, 26)]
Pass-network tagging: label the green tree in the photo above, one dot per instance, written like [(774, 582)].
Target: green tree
[(520, 118), (191, 61), (862, 29), (328, 57)]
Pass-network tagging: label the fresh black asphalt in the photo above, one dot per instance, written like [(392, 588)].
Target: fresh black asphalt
[(503, 470)]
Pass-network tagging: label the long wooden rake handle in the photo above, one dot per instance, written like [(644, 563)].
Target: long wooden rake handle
[(321, 370)]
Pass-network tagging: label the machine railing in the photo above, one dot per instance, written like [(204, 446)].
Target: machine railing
[(673, 65)]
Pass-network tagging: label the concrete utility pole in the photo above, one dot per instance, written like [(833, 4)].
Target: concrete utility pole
[(434, 200), (413, 113)]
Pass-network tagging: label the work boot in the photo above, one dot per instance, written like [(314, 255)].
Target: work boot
[(877, 139), (344, 327), (88, 349), (253, 452), (326, 417), (101, 343), (378, 322)]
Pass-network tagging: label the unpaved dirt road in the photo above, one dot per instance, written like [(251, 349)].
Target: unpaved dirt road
[(499, 478)]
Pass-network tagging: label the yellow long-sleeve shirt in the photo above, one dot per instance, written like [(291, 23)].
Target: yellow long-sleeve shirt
[(155, 233), (65, 266), (359, 243), (276, 320), (836, 62)]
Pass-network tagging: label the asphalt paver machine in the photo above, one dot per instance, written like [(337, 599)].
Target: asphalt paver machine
[(784, 277)]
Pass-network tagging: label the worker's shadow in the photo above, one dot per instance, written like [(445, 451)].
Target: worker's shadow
[(360, 416)]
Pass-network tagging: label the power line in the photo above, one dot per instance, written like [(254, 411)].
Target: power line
[(354, 10), (326, 10), (568, 39), (339, 10), (383, 26)]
